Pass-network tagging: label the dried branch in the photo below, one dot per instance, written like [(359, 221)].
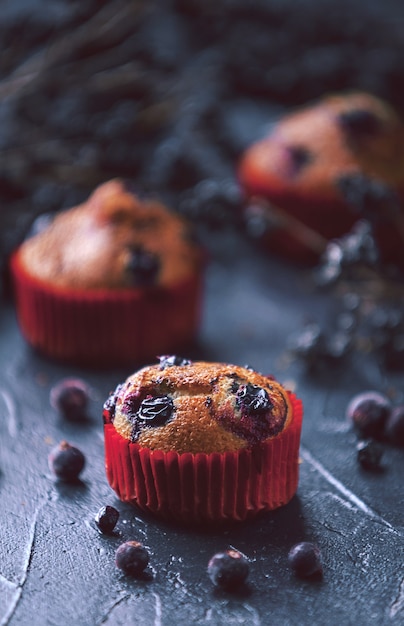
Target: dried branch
[(106, 28)]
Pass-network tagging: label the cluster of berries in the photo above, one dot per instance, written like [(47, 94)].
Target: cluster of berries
[(227, 570), (375, 420)]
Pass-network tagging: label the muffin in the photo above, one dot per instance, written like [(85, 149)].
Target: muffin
[(325, 166), (202, 442), (112, 282)]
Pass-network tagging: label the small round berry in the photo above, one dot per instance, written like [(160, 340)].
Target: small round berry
[(143, 266), (228, 569), (253, 399), (155, 410), (299, 157), (70, 398), (132, 558), (66, 461), (305, 559), (106, 519), (172, 360), (359, 123), (369, 454), (394, 427), (368, 411)]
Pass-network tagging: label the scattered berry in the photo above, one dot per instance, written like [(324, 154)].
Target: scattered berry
[(66, 461), (368, 411), (228, 569), (132, 558), (369, 454), (106, 519), (394, 427), (70, 397), (305, 559)]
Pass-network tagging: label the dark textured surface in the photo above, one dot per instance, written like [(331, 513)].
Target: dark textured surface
[(56, 568)]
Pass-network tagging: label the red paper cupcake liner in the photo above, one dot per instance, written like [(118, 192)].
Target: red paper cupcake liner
[(213, 487), (106, 327)]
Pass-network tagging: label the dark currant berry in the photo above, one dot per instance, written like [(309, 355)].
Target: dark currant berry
[(228, 569), (373, 199), (394, 427), (132, 558), (357, 247), (110, 404), (70, 397), (106, 519), (256, 222), (172, 360), (253, 399), (368, 412), (66, 461), (305, 559), (358, 123), (369, 454), (143, 266), (131, 406), (155, 410), (300, 157)]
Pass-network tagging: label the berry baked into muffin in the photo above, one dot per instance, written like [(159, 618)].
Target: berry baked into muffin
[(321, 169), (202, 442), (114, 281)]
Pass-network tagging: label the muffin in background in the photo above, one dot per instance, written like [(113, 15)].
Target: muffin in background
[(324, 167), (114, 281), (202, 442)]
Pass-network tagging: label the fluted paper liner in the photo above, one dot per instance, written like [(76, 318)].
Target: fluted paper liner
[(106, 327), (207, 487)]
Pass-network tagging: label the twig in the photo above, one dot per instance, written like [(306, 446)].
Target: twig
[(368, 281), (311, 239), (112, 20)]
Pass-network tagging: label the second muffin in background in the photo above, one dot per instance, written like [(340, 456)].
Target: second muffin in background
[(323, 166), (112, 282)]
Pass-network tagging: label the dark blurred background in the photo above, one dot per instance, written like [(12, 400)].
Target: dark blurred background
[(169, 93)]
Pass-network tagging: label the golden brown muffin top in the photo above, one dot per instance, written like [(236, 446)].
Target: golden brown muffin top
[(113, 240), (310, 149), (197, 406)]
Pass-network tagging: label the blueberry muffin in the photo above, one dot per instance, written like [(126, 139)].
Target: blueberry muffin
[(202, 442), (326, 165), (113, 281)]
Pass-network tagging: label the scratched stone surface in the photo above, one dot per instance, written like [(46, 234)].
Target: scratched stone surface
[(57, 569)]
